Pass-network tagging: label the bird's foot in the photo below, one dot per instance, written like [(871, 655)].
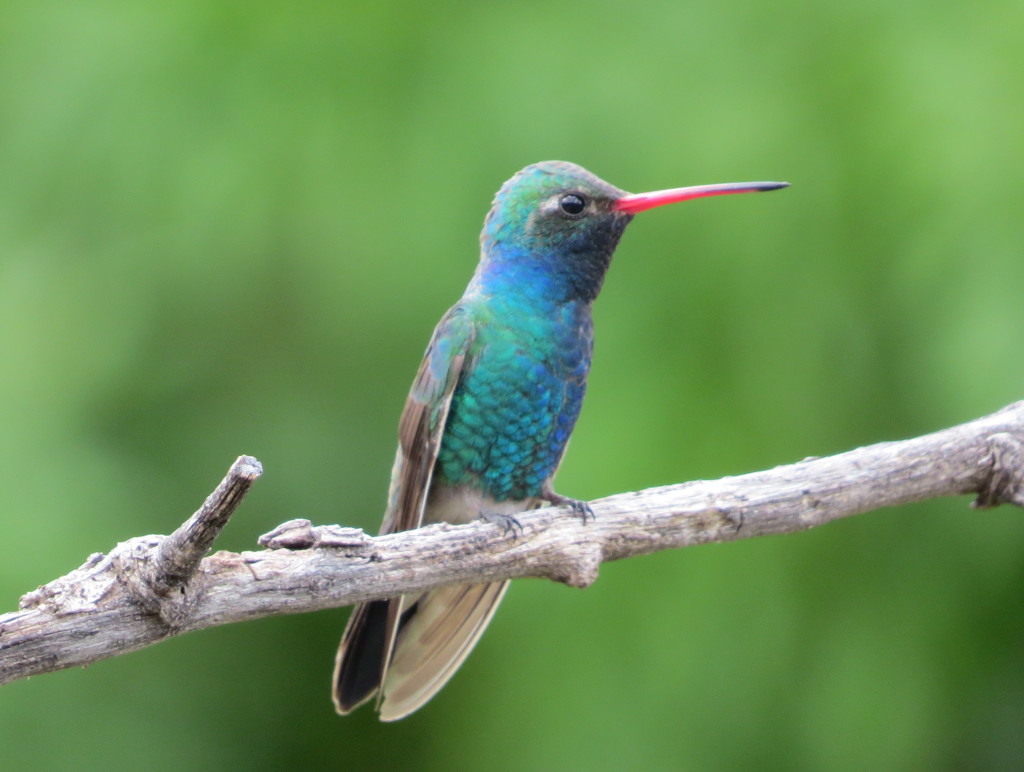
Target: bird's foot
[(580, 509), (508, 523)]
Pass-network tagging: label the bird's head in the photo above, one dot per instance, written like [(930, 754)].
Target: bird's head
[(554, 226)]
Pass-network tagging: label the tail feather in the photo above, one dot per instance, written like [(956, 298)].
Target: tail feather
[(359, 666), (434, 642), (437, 631)]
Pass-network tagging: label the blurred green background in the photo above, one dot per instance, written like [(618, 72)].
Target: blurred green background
[(230, 228)]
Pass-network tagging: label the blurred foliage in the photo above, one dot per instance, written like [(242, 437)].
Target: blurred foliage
[(230, 228)]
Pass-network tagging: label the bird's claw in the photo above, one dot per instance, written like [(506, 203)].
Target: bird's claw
[(580, 509), (508, 523)]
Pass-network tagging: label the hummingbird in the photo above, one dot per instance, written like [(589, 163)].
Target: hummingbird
[(490, 412)]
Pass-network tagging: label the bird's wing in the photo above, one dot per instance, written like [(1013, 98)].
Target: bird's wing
[(369, 638), (422, 423)]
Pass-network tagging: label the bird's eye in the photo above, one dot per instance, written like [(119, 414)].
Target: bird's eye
[(572, 204)]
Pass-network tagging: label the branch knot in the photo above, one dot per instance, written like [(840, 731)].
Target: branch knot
[(1004, 483)]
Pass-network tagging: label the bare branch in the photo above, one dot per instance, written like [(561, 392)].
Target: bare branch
[(152, 587)]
